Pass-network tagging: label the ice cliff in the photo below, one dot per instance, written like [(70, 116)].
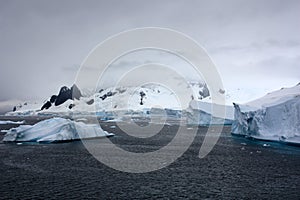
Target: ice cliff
[(274, 117), (201, 113)]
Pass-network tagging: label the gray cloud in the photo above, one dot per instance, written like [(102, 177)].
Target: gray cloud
[(44, 42)]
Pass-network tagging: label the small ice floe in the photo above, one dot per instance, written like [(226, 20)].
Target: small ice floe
[(115, 120), (11, 122), (54, 130), (81, 120), (4, 131), (243, 143), (112, 126), (266, 145)]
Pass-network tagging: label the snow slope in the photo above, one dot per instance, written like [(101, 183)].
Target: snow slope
[(275, 117), (115, 99), (54, 130)]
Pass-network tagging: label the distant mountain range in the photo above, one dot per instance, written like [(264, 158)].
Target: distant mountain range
[(109, 99)]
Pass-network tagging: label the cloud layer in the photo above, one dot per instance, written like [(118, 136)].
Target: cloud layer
[(253, 43)]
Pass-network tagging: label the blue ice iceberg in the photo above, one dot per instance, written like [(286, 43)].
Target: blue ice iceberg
[(54, 130)]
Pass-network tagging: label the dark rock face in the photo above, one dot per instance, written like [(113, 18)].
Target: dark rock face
[(66, 93), (222, 91), (46, 105), (101, 90), (205, 92), (103, 97), (71, 106), (90, 102), (76, 94), (53, 98), (108, 94), (142, 94)]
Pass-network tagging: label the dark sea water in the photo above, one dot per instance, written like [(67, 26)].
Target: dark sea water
[(236, 168)]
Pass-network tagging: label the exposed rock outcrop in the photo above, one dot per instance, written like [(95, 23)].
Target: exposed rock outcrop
[(64, 94), (47, 105)]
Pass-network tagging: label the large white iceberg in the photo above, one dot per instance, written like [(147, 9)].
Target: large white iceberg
[(54, 130), (274, 117)]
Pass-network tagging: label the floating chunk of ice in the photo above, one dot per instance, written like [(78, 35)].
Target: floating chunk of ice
[(54, 130), (11, 122)]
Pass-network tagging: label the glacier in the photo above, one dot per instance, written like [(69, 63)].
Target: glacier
[(54, 130), (274, 117), (200, 113)]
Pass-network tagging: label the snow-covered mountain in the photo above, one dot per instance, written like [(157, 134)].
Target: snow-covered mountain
[(72, 100), (275, 117)]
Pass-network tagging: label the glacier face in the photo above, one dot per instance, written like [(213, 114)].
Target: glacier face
[(201, 113), (54, 130), (274, 117)]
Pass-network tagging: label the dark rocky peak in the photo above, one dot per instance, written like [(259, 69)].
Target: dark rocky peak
[(46, 105), (76, 94), (64, 94), (53, 98), (64, 89)]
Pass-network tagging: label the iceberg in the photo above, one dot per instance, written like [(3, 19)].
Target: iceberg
[(54, 130), (11, 122), (274, 117), (201, 113)]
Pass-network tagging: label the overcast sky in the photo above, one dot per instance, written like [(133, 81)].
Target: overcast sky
[(254, 44)]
